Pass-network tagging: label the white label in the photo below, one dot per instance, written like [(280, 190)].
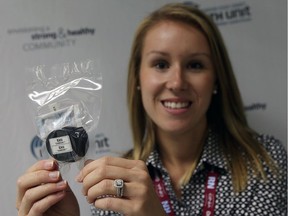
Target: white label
[(60, 145)]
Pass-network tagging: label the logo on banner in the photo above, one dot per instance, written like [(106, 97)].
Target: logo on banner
[(229, 13), (36, 147), (46, 38), (190, 3), (256, 107), (102, 144)]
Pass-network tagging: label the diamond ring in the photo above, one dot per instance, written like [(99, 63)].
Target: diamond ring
[(119, 185)]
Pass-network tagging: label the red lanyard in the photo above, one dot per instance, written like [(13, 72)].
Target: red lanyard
[(209, 195), (162, 194)]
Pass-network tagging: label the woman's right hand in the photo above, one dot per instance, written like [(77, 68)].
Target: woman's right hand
[(41, 190)]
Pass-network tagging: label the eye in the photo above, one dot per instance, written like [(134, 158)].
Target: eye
[(161, 65), (195, 65)]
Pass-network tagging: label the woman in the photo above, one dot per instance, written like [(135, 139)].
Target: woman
[(194, 153)]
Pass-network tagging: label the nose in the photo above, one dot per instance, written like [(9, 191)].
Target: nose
[(177, 80)]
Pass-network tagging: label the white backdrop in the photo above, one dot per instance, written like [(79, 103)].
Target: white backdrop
[(56, 31)]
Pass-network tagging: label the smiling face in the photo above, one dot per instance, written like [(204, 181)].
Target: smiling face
[(176, 77)]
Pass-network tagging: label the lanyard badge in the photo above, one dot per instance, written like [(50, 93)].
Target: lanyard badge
[(163, 195), (209, 194)]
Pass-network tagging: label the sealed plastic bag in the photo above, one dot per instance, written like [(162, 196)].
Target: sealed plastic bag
[(65, 102)]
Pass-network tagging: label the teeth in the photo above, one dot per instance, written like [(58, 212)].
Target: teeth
[(176, 105)]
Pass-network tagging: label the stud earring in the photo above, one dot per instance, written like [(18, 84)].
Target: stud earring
[(138, 88), (215, 91)]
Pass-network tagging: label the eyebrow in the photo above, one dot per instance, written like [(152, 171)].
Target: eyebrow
[(156, 52), (166, 54)]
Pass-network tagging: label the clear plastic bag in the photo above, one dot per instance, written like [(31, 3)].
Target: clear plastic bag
[(65, 103)]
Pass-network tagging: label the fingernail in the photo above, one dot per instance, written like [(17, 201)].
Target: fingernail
[(48, 164), (54, 175), (60, 193), (79, 177), (83, 192), (61, 183)]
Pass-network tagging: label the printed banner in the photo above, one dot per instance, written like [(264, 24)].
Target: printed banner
[(44, 33)]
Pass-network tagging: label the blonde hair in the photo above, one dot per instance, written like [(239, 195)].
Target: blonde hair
[(226, 112)]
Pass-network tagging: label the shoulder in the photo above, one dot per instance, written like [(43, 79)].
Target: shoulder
[(275, 149), (272, 145), (273, 190)]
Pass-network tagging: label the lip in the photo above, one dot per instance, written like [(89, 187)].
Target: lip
[(176, 106)]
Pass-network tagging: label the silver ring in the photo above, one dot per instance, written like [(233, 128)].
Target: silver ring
[(119, 185)]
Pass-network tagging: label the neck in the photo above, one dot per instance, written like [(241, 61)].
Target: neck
[(180, 153), (181, 149)]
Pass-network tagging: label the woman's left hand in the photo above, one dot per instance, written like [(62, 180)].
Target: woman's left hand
[(139, 196)]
